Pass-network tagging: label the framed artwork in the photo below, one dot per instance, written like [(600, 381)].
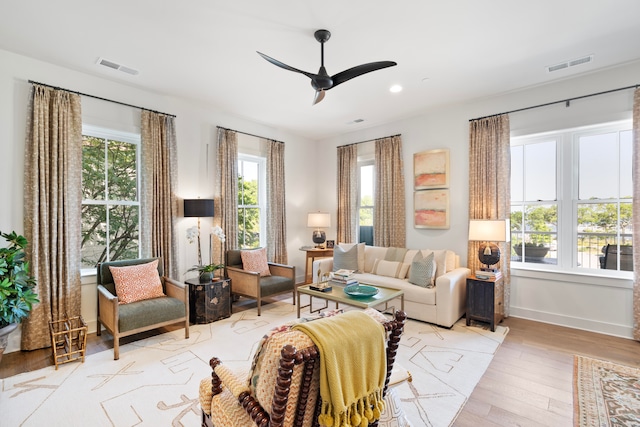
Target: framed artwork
[(431, 208), (331, 244), (431, 169)]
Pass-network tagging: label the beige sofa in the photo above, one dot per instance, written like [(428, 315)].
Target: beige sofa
[(442, 304)]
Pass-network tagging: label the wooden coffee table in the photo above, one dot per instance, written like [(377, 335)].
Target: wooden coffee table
[(338, 296)]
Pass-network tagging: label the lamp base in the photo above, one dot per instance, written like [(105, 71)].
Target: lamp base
[(489, 254), (319, 237)]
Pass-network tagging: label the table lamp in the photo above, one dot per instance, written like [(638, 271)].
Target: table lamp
[(318, 220), (488, 231), (198, 208)]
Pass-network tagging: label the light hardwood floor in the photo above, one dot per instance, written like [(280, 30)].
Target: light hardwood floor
[(528, 383)]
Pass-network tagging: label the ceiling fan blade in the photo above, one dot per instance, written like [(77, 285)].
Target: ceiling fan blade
[(285, 66), (359, 70), (319, 96)]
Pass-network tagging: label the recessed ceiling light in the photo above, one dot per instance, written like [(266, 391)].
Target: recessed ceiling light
[(395, 88)]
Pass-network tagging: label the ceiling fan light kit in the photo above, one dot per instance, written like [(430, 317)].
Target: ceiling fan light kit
[(322, 81)]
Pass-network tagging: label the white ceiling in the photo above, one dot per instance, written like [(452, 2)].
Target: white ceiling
[(205, 50)]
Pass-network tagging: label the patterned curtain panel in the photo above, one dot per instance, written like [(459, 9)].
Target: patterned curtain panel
[(389, 228), (489, 186), (52, 206), (276, 209), (636, 218), (159, 205), (347, 194), (228, 187)]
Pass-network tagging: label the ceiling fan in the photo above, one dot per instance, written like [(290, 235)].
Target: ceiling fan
[(321, 81)]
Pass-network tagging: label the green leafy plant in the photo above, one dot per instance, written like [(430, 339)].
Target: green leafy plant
[(16, 284), (209, 268), (530, 245)]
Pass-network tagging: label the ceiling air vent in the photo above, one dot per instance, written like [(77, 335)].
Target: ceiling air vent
[(571, 63), (116, 66)]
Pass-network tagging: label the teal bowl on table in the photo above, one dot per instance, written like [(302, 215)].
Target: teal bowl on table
[(359, 290)]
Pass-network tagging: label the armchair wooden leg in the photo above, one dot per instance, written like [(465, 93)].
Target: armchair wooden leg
[(186, 329), (116, 348)]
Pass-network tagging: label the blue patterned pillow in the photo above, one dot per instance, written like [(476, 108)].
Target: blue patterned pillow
[(423, 272), (347, 260)]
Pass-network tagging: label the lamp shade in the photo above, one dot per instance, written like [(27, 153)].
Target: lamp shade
[(489, 230), (319, 220), (198, 207)]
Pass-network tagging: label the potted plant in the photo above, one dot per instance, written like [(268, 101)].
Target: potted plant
[(206, 271), (16, 286)]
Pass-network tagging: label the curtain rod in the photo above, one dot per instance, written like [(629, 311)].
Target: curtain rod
[(250, 134), (565, 101), (369, 140), (100, 98)]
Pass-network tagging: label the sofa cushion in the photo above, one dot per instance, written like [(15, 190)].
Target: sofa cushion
[(396, 269), (360, 253), (440, 256), (137, 282), (141, 314), (411, 292), (256, 260), (345, 258), (423, 272), (395, 254), (371, 254)]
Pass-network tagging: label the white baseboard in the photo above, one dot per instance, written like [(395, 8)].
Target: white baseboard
[(622, 331)]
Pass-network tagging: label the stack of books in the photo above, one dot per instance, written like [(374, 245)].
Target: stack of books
[(343, 277), (486, 275)]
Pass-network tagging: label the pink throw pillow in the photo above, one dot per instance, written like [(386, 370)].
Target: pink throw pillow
[(256, 260), (137, 282)]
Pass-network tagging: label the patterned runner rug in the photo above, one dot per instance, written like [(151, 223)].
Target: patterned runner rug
[(605, 394), (155, 381)]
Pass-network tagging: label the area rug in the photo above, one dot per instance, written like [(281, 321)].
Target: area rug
[(155, 381), (605, 393)]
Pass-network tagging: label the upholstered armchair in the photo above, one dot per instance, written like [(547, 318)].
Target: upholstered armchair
[(168, 305), (282, 389), (251, 284)]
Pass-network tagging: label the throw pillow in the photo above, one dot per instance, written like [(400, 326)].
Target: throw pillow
[(345, 259), (423, 272), (395, 254), (256, 260), (360, 247), (396, 269), (137, 282)]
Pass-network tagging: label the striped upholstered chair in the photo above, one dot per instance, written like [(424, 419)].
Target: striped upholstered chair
[(282, 389)]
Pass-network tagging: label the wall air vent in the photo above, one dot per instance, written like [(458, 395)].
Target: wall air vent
[(571, 63), (115, 66)]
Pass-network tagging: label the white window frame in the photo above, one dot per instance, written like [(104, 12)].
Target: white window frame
[(567, 180), (262, 192), (115, 135)]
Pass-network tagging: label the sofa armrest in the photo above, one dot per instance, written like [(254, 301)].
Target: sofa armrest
[(107, 309), (287, 271), (451, 289), (244, 282), (177, 290), (325, 265), (236, 383)]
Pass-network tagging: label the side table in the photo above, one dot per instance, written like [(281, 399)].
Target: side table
[(209, 301), (312, 254), (485, 301)]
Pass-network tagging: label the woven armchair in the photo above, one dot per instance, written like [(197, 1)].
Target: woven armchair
[(284, 389)]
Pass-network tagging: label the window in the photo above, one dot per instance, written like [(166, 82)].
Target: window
[(571, 198), (366, 202), (251, 201), (110, 190)]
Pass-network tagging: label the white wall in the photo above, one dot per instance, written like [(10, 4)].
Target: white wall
[(596, 303), (196, 134), (602, 304)]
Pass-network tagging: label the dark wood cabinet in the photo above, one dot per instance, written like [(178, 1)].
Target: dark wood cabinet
[(209, 301), (485, 299)]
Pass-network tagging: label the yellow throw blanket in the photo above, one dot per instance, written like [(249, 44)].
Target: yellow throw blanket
[(353, 367)]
